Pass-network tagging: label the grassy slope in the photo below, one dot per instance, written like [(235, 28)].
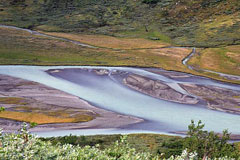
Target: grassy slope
[(193, 23), (18, 47)]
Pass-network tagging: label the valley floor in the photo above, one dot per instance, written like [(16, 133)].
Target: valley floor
[(19, 46)]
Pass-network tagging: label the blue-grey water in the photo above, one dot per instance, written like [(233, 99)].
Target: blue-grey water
[(106, 92)]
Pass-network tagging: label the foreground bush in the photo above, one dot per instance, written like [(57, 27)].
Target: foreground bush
[(209, 144), (23, 146)]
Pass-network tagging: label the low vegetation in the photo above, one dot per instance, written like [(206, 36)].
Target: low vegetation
[(20, 109), (19, 47), (12, 100), (152, 143), (209, 144), (110, 42), (40, 118), (201, 144), (224, 60), (197, 23)]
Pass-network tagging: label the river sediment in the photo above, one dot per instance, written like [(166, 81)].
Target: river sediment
[(157, 89), (22, 96), (216, 98), (220, 99)]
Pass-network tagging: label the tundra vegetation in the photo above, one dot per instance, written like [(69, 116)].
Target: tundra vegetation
[(127, 32), (197, 23), (198, 144)]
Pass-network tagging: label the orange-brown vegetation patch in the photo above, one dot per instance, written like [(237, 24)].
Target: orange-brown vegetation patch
[(225, 60), (12, 100), (168, 58), (40, 118), (111, 42)]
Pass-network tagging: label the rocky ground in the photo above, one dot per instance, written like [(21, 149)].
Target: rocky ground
[(217, 98), (25, 97)]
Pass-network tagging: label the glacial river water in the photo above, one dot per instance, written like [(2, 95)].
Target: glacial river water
[(109, 93)]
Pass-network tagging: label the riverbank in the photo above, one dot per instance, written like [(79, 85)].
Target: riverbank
[(53, 109)]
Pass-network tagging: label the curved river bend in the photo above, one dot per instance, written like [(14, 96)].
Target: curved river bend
[(109, 93)]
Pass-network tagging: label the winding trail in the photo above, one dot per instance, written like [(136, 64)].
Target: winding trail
[(45, 35), (224, 75)]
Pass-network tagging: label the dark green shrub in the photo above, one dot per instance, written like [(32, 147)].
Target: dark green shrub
[(209, 144), (151, 1)]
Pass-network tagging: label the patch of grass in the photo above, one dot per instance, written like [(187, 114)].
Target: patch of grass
[(153, 34), (110, 42), (43, 113), (12, 100), (153, 143), (156, 144), (49, 28), (67, 114), (40, 118), (224, 60)]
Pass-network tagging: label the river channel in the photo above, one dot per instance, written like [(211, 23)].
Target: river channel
[(108, 92)]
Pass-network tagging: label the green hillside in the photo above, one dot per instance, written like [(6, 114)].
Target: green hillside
[(198, 23)]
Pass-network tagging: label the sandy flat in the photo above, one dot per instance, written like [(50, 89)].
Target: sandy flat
[(49, 99)]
